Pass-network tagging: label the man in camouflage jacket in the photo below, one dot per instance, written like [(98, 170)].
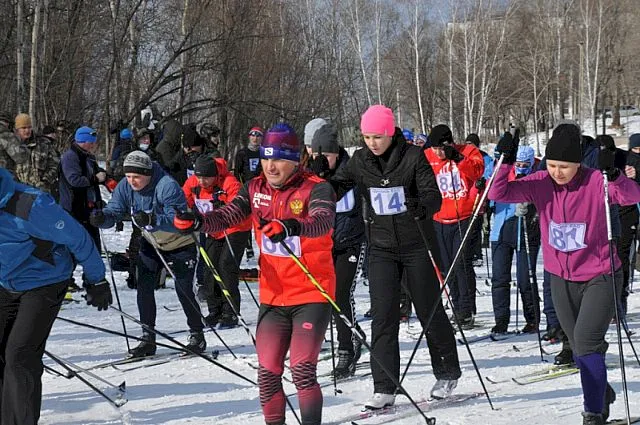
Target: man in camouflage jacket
[(12, 151), (40, 170)]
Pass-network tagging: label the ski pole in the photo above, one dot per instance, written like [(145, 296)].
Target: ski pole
[(181, 345), (115, 403), (152, 240), (336, 391), (305, 270), (605, 177), (534, 285), (518, 249), (455, 316), (233, 254), (115, 289), (71, 373)]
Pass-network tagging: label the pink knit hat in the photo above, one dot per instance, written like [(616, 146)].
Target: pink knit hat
[(378, 119)]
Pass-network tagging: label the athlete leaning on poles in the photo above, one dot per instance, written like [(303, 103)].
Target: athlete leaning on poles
[(285, 204), (401, 194), (39, 241), (570, 200), (211, 187)]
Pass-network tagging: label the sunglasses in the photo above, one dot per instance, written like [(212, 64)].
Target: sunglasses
[(255, 133)]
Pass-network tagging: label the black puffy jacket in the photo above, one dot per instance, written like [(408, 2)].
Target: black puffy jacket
[(349, 228), (407, 167)]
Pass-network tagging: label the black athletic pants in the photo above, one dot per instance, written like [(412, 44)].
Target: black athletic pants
[(346, 265), (623, 245), (26, 319), (385, 271)]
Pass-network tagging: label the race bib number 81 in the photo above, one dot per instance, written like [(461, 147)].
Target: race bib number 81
[(277, 250), (567, 237), (388, 200)]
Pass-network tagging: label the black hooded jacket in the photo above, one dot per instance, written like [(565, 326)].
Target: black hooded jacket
[(349, 228), (405, 166)]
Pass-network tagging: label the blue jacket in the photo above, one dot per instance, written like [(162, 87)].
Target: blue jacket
[(488, 165), (38, 239), (162, 195), (349, 226)]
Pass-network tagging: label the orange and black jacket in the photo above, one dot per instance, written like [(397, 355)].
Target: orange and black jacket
[(311, 201)]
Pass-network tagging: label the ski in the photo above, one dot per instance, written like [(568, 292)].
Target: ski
[(634, 420), (541, 372), (127, 360), (546, 377), (495, 337), (359, 366), (399, 411), (178, 356)]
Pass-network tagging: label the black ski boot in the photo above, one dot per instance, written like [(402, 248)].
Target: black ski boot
[(530, 328), (609, 398), (196, 342), (147, 347), (551, 335), (564, 357), (467, 321), (589, 418), (501, 327), (228, 321), (346, 366)]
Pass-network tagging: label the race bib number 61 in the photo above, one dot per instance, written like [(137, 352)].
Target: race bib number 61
[(276, 249), (388, 200), (567, 237)]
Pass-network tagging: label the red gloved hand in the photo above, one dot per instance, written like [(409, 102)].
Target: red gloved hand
[(187, 222), (111, 184), (279, 230)]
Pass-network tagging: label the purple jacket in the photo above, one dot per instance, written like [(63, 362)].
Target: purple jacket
[(573, 224)]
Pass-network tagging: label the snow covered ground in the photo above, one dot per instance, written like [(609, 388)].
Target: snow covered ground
[(193, 391)]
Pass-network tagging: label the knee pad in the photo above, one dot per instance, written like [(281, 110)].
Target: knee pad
[(270, 384), (304, 375)]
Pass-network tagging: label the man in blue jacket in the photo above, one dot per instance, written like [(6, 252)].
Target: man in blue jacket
[(37, 241), (151, 197)]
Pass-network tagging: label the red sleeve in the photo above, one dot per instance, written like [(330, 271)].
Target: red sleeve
[(472, 166), (187, 188), (231, 186)]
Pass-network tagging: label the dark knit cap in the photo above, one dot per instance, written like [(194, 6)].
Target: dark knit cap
[(440, 135), (47, 129), (325, 138), (634, 141), (205, 166), (606, 142), (565, 145), (473, 138), (138, 162)]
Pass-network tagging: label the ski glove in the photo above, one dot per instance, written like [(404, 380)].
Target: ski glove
[(187, 221), (99, 295), (279, 230), (606, 161), (320, 165), (451, 153), (508, 146), (97, 218), (481, 184), (143, 219), (522, 209)]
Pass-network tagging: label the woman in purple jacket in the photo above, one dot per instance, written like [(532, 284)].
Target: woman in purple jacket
[(573, 227)]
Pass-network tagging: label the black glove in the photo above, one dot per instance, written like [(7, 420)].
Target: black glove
[(216, 201), (187, 221), (606, 162), (508, 146), (481, 183), (279, 230), (99, 295), (144, 219), (204, 292), (97, 219), (119, 226), (451, 153), (320, 165)]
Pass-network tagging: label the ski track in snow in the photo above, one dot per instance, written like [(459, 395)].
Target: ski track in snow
[(193, 391)]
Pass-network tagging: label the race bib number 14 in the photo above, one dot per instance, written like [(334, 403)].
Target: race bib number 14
[(567, 237), (388, 200), (276, 249)]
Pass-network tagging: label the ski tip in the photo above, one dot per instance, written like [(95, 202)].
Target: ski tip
[(122, 387)]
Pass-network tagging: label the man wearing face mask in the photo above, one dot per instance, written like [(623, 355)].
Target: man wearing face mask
[(507, 237)]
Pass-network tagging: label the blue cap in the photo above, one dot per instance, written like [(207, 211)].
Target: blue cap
[(408, 134), (86, 135), (634, 141), (126, 134)]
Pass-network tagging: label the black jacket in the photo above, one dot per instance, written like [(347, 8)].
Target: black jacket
[(349, 228), (407, 167), (247, 165)]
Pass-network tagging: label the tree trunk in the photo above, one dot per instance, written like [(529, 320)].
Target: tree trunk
[(33, 81), (20, 93)]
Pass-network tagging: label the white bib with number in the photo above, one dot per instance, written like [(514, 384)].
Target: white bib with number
[(388, 200), (277, 250), (190, 172), (567, 237), (204, 205), (346, 203), (253, 163)]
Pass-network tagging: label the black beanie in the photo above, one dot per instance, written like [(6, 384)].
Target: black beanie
[(564, 145), (190, 136), (473, 138), (440, 134), (205, 166), (326, 137)]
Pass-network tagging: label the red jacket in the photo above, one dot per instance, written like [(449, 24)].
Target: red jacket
[(282, 282), (457, 182), (225, 182)]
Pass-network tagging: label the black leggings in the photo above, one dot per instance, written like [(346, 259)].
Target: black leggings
[(346, 265)]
